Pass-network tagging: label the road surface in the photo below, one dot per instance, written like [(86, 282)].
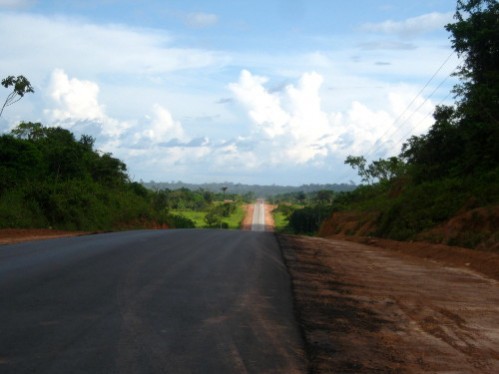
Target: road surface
[(179, 301), (258, 216)]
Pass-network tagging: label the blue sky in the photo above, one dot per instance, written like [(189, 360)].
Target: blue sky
[(267, 92)]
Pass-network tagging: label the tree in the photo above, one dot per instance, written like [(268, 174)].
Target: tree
[(359, 163), (464, 138), (475, 37), (224, 189), (29, 131), (21, 86)]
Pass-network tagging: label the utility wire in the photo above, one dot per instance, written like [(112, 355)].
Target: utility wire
[(419, 107), (428, 115), (375, 145), (370, 151)]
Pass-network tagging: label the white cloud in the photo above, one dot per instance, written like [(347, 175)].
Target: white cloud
[(162, 127), (84, 47), (75, 105), (201, 20), (264, 108), (76, 101), (291, 119), (297, 130), (411, 26)]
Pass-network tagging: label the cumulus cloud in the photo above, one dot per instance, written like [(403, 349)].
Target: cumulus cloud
[(162, 127), (411, 26), (291, 119), (264, 107), (76, 101), (295, 129), (75, 105), (201, 20)]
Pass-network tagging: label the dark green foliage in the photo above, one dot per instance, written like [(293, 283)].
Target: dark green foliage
[(20, 162), (180, 222), (216, 214), (21, 86), (382, 170), (183, 198), (308, 220), (50, 179), (464, 139)]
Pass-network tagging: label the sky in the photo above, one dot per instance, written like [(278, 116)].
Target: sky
[(244, 91)]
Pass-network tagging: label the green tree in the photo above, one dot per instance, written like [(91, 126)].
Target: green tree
[(20, 162), (463, 140), (475, 37), (439, 153), (21, 86), (359, 163), (381, 170), (29, 131)]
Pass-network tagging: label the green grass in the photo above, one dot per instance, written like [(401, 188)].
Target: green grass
[(195, 216), (234, 220), (280, 221)]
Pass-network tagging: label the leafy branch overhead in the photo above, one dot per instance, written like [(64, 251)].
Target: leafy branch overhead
[(21, 86)]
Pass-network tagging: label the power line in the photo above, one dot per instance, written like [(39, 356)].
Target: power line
[(429, 114), (376, 146), (369, 152), (420, 106)]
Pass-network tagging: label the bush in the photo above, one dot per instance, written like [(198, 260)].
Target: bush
[(180, 222)]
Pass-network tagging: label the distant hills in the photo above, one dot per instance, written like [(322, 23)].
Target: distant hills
[(242, 189)]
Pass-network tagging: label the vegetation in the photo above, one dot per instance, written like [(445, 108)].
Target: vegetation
[(202, 208), (21, 86), (50, 179), (302, 213), (454, 168)]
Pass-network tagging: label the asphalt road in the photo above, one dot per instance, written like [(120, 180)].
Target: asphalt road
[(179, 301), (258, 223)]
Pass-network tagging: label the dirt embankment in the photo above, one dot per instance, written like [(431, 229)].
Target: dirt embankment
[(471, 228), (9, 236), (371, 310)]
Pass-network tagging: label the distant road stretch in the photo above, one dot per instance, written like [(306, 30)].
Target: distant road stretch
[(258, 216), (154, 301)]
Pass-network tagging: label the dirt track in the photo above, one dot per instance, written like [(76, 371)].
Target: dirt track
[(369, 310)]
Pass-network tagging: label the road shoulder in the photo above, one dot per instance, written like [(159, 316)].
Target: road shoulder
[(364, 309)]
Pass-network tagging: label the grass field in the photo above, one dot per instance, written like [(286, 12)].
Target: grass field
[(234, 220), (280, 221)]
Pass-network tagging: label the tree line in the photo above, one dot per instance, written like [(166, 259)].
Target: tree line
[(455, 165), (51, 179)]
